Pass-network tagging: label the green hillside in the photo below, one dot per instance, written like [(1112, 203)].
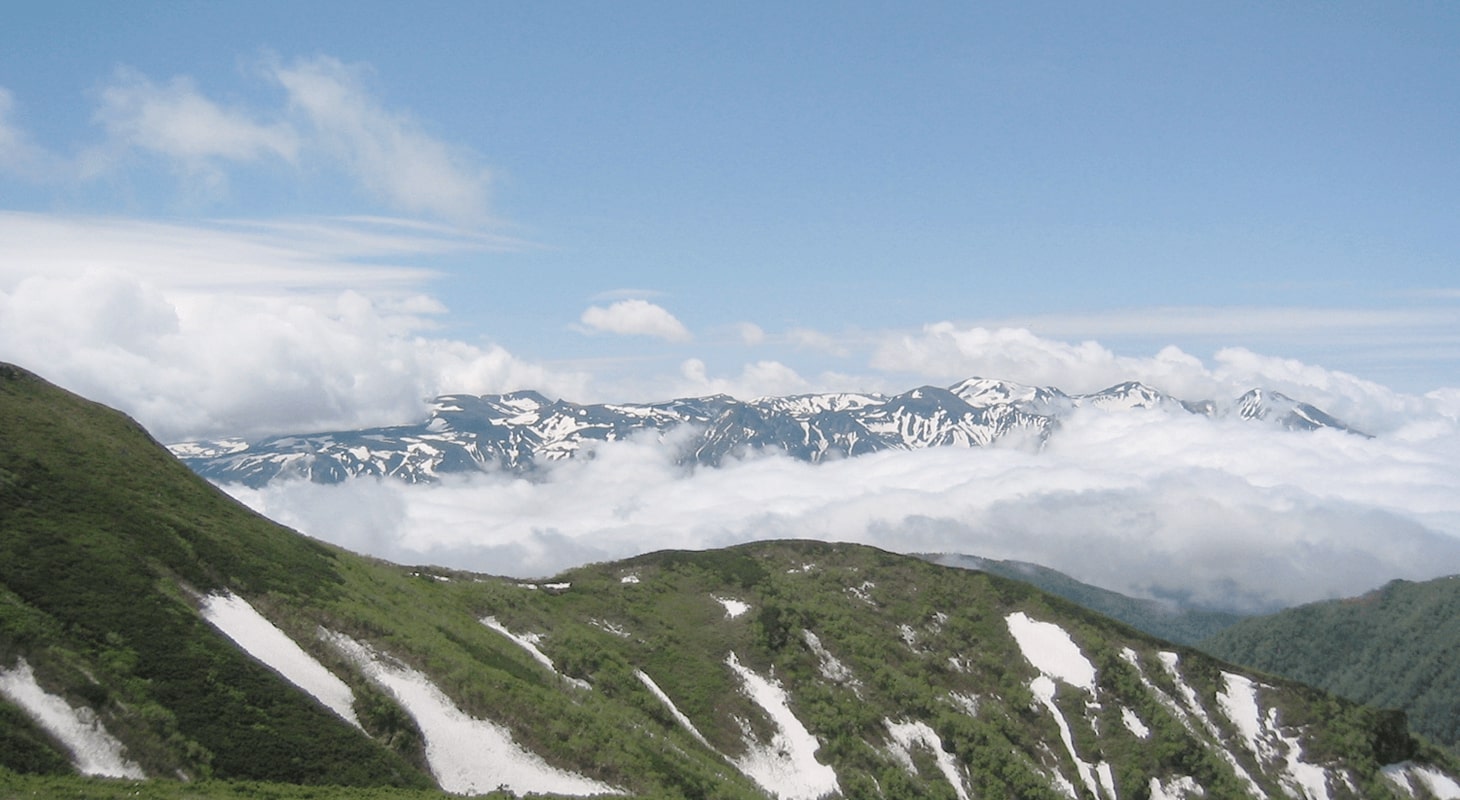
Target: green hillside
[(1183, 625), (1396, 647), (786, 669)]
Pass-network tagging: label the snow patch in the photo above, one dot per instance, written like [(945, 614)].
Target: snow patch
[(829, 665), (610, 627), (1051, 650), (1178, 788), (1404, 774), (863, 592), (906, 735), (260, 638), (466, 755), (733, 607), (1134, 725), (967, 703), (528, 642), (787, 766), (94, 751)]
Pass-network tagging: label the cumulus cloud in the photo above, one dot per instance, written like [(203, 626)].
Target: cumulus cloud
[(635, 318), (1146, 503), (270, 335)]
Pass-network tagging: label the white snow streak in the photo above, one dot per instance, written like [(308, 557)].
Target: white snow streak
[(264, 641), (1051, 650), (673, 709), (1403, 775), (1044, 690), (94, 751), (1192, 710), (466, 755), (787, 767), (528, 642), (907, 734)]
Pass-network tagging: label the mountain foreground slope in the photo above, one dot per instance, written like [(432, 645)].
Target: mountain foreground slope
[(1397, 646), (151, 627)]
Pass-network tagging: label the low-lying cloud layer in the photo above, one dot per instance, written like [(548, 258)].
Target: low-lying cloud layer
[(1215, 511)]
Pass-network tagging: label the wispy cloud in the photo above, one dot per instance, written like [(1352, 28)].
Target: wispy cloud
[(387, 151), (175, 121), (19, 154), (327, 120), (635, 318)]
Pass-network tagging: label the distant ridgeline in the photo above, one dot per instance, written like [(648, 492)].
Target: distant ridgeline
[(153, 630), (516, 432)]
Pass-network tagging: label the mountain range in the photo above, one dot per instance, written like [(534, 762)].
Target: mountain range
[(154, 631), (520, 431)]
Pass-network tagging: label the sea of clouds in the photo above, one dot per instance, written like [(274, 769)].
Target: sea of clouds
[(1149, 503)]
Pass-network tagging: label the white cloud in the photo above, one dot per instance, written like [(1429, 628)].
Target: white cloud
[(328, 120), (386, 150), (1144, 503), (200, 331), (176, 121), (750, 333), (946, 352), (757, 379), (635, 318)]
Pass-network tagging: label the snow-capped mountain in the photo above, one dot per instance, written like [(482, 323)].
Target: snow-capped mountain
[(519, 431)]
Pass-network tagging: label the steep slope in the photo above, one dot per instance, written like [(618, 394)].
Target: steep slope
[(150, 626), (1396, 647), (1176, 623), (521, 431)]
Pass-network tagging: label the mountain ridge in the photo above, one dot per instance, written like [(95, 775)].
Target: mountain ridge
[(521, 431)]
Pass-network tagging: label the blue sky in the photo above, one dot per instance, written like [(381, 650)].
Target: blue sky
[(627, 201)]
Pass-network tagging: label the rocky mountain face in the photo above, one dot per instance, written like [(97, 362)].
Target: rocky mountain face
[(152, 629), (522, 430)]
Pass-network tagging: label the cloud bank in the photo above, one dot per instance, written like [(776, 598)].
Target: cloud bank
[(1147, 503), (221, 331)]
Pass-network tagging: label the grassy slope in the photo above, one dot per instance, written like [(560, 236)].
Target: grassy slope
[(105, 541), (1396, 647)]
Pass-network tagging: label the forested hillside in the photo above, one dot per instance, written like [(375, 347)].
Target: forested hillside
[(1395, 647)]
